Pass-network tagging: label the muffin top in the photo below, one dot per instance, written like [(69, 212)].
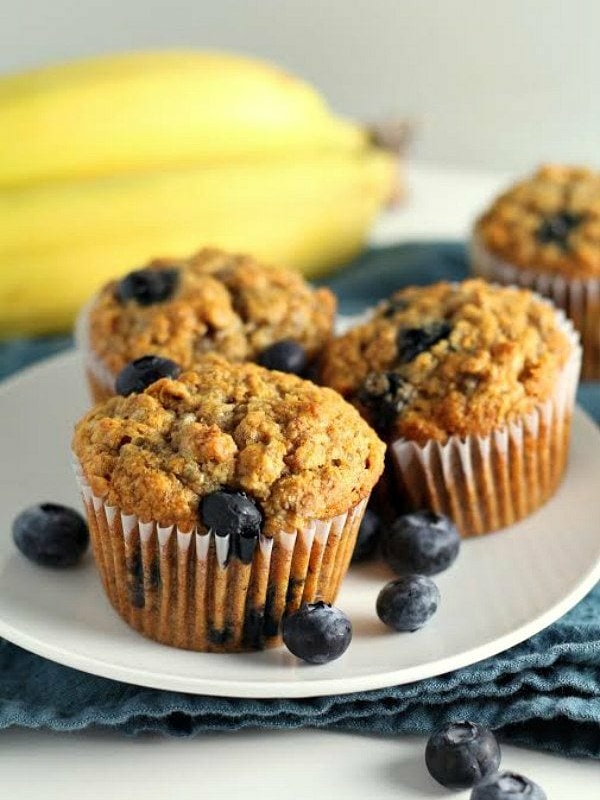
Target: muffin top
[(549, 222), (299, 450), (449, 359), (211, 302)]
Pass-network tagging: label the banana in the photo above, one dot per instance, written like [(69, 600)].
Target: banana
[(158, 110), (59, 241)]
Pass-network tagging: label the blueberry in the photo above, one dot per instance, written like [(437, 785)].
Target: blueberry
[(460, 754), (407, 603), (317, 633), (422, 542), (148, 286), (385, 395), (368, 534), (557, 228), (284, 356), (507, 786), (230, 513), (413, 341), (141, 373), (51, 535)]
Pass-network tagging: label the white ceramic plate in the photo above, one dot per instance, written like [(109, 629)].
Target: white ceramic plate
[(503, 588)]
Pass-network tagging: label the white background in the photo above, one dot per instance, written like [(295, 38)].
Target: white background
[(492, 84)]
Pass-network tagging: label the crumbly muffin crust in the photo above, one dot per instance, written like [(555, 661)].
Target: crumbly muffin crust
[(549, 222), (300, 450), (223, 303), (489, 354)]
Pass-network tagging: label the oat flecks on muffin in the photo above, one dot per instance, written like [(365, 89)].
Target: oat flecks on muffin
[(449, 359), (300, 450), (549, 222), (219, 302)]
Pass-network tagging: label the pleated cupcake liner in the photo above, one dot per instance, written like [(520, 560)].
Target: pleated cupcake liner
[(200, 591), (579, 298), (100, 380), (489, 482)]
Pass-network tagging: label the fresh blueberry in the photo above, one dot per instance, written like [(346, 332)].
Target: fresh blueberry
[(557, 228), (385, 395), (507, 786), (141, 373), (407, 603), (460, 754), (368, 534), (284, 356), (413, 341), (422, 542), (317, 633), (148, 286), (51, 535), (229, 513)]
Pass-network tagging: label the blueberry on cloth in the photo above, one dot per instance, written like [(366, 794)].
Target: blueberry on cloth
[(460, 754), (317, 632), (230, 513), (284, 356), (148, 286), (507, 786), (141, 373), (51, 535), (413, 341), (368, 535), (422, 542), (407, 603)]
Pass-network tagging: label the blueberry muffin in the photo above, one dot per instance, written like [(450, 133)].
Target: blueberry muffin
[(213, 302), (544, 234), (472, 386), (220, 501)]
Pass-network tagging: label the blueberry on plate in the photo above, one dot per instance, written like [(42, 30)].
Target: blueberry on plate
[(407, 603), (317, 632), (421, 542), (460, 754), (284, 356), (507, 786), (51, 535), (141, 373), (230, 513), (368, 536), (148, 286)]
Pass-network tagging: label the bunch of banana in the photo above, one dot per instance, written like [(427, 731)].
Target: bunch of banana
[(107, 162)]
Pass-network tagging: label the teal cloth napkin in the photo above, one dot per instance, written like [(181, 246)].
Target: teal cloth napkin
[(544, 693)]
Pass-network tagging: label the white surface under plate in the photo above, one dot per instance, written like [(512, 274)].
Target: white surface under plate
[(503, 588)]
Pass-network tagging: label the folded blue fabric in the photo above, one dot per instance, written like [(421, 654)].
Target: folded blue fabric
[(544, 693)]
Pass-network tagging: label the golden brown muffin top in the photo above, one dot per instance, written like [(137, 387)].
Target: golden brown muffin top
[(223, 303), (298, 449), (447, 359), (549, 222)]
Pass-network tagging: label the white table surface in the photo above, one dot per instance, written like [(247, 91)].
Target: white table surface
[(290, 765)]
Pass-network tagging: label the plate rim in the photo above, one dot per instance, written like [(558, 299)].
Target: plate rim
[(293, 689)]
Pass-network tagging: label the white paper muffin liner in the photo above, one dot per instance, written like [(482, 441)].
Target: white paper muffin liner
[(100, 380), (579, 298), (489, 482), (190, 589)]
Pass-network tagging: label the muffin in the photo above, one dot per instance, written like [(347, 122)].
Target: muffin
[(222, 500), (472, 386), (544, 234), (213, 302)]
